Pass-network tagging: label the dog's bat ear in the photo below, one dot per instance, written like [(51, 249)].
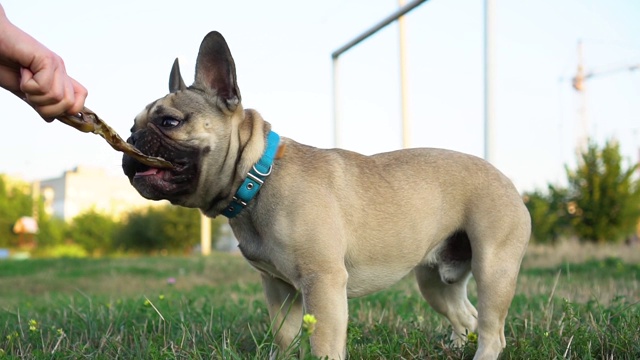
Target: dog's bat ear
[(175, 79), (216, 71)]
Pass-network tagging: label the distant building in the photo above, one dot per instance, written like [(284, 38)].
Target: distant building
[(89, 188)]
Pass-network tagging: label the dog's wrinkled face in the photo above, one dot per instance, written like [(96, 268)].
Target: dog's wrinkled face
[(163, 131), (190, 128)]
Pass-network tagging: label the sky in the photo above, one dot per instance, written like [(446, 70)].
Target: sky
[(122, 53)]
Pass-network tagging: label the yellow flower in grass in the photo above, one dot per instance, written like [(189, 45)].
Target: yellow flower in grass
[(33, 325), (309, 323), (472, 337)]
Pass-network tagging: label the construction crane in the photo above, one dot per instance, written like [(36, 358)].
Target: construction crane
[(578, 83)]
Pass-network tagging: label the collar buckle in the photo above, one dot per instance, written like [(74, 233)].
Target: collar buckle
[(255, 178)]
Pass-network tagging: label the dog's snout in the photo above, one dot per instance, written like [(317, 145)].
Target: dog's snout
[(133, 138), (136, 137)]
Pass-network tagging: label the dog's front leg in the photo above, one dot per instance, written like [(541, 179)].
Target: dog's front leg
[(325, 297), (285, 310)]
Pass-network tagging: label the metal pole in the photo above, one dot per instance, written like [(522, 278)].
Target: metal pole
[(336, 106), (336, 54), (404, 107), (205, 235), (35, 197), (579, 85), (489, 136), (384, 22)]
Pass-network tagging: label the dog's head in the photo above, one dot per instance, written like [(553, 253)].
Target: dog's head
[(196, 128)]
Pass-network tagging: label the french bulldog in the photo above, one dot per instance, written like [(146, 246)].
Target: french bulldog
[(325, 225)]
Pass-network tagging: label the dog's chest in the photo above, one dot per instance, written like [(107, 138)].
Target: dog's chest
[(261, 263), (261, 257), (268, 268)]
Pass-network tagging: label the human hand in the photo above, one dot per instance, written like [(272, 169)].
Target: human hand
[(48, 88), (36, 74)]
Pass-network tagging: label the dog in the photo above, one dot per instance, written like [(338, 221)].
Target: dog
[(325, 225)]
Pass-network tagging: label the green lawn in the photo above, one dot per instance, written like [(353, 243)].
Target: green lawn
[(130, 308)]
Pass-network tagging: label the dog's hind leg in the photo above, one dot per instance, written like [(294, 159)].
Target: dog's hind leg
[(495, 266), (285, 310), (449, 299)]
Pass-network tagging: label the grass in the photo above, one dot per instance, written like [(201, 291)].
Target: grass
[(203, 308)]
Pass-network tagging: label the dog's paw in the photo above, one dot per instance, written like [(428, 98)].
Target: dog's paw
[(457, 340)]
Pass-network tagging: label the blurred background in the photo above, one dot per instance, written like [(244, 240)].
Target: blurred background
[(563, 73)]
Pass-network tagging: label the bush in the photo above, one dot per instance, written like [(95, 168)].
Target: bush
[(601, 203), (15, 202), (171, 229), (52, 231), (604, 198), (549, 221), (93, 231), (62, 251)]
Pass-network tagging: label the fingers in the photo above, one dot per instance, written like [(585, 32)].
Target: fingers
[(49, 89), (80, 95), (44, 76)]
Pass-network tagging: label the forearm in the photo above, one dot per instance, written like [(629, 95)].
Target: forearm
[(9, 68), (7, 30), (17, 48), (5, 33), (3, 16)]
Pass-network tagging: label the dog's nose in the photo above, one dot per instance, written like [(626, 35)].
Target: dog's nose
[(133, 138)]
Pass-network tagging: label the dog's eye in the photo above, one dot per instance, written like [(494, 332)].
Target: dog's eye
[(169, 122)]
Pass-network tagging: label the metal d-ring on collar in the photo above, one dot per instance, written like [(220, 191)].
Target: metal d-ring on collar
[(255, 178)]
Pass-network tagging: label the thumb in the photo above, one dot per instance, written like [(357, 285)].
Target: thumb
[(28, 83)]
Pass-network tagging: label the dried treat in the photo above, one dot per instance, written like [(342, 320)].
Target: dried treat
[(88, 121)]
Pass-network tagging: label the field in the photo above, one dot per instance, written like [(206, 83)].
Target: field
[(572, 302)]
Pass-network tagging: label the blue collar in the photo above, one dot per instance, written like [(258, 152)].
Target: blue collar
[(255, 178)]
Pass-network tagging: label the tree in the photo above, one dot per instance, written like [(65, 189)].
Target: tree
[(51, 230), (549, 217), (15, 202), (604, 197), (93, 231)]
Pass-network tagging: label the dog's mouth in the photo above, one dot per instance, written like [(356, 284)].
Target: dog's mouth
[(154, 183), (161, 177), (159, 183), (157, 173)]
